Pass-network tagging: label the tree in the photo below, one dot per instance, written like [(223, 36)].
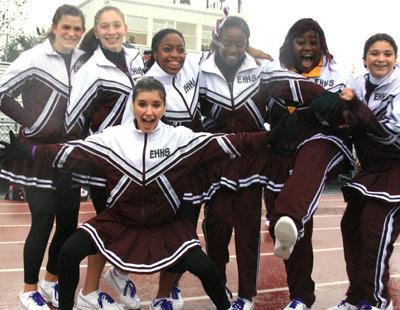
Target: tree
[(13, 13), (14, 41), (17, 45)]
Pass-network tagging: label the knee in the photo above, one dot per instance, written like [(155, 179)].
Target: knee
[(69, 254)]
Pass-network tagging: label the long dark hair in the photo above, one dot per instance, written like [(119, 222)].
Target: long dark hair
[(286, 53), (149, 84), (65, 9)]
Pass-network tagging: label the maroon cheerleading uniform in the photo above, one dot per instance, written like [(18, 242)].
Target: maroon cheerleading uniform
[(371, 222)]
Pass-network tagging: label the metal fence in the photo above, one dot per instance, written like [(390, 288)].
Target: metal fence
[(5, 127), (6, 124)]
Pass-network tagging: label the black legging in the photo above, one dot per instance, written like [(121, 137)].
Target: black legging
[(46, 205), (99, 198), (80, 245)]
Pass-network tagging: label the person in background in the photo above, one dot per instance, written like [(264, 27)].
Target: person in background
[(319, 150), (42, 77), (99, 99), (371, 221)]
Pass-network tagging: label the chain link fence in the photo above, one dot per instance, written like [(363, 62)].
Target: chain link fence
[(5, 126)]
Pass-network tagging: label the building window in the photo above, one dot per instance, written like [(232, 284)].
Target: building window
[(137, 27), (159, 24), (206, 37), (189, 33)]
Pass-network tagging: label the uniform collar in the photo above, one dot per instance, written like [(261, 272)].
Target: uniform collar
[(157, 72), (315, 72), (50, 51), (158, 128), (101, 59), (209, 64)]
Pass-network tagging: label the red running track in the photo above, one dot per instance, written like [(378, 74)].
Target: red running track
[(329, 268)]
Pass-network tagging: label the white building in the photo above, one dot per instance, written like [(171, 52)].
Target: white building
[(145, 18)]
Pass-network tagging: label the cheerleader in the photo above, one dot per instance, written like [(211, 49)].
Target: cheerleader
[(99, 99), (42, 77), (371, 222), (319, 150)]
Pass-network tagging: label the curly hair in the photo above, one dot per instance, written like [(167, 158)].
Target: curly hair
[(286, 52)]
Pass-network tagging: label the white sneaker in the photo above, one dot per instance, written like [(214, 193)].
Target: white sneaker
[(285, 237), (344, 305), (49, 291), (96, 300), (242, 304), (176, 298), (296, 304), (364, 305), (161, 304), (32, 301), (124, 287)]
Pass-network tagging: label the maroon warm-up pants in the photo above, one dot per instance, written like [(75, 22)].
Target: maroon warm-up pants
[(299, 200), (240, 211)]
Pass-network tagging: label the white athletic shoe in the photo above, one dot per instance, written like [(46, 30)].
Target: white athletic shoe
[(124, 287), (49, 291), (176, 298), (242, 304), (285, 237), (343, 305), (296, 304), (161, 304), (32, 301), (364, 305), (96, 300)]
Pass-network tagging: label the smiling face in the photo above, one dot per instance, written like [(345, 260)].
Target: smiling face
[(171, 54), (307, 51), (111, 30), (232, 45), (148, 108), (380, 59), (67, 33)]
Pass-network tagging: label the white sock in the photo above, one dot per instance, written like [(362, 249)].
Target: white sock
[(47, 283), (96, 293), (122, 276)]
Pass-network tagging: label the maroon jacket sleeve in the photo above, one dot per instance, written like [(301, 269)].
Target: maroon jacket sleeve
[(10, 107)]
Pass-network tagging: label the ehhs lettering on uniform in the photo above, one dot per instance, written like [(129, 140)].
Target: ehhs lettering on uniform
[(159, 153), (379, 96), (189, 85), (324, 83), (246, 78)]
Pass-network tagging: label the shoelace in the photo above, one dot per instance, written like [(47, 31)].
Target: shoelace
[(129, 287), (38, 299), (165, 304), (238, 304), (106, 297), (56, 291), (175, 292), (295, 303)]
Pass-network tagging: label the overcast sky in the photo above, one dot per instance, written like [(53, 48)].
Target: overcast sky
[(347, 23)]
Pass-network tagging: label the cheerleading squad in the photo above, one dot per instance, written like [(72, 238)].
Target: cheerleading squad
[(223, 129)]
